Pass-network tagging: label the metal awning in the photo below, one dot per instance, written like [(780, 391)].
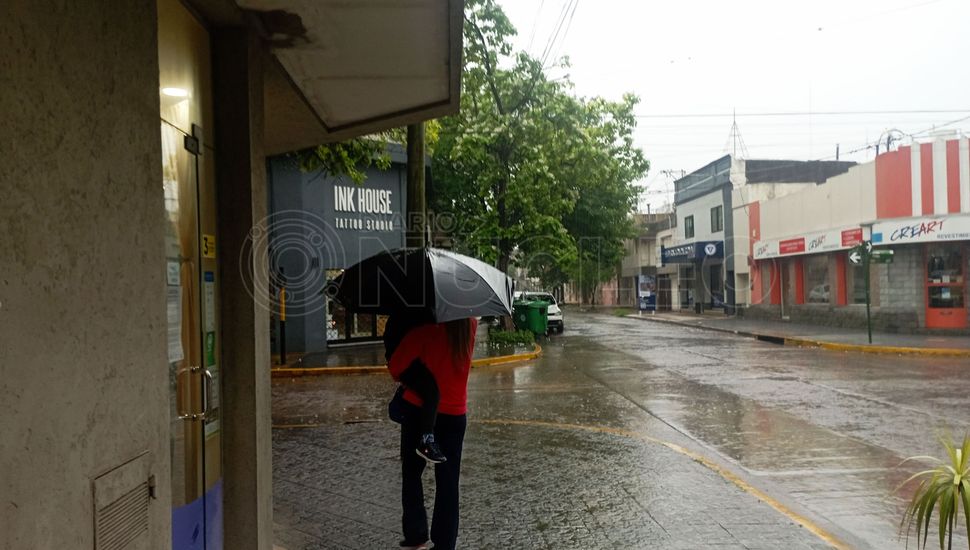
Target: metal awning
[(343, 68)]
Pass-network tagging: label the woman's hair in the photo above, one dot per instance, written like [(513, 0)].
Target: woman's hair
[(459, 335)]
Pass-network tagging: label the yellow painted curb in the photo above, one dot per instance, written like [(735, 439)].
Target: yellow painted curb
[(292, 372), (862, 348), (728, 475)]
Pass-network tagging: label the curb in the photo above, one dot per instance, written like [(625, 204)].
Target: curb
[(295, 372), (830, 346)]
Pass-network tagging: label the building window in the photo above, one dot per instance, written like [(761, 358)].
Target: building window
[(689, 227), (818, 290), (944, 270), (717, 219)]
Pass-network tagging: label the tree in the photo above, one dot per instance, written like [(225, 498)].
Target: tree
[(534, 171), (353, 157)]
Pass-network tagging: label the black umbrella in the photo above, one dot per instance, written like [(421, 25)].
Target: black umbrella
[(451, 286)]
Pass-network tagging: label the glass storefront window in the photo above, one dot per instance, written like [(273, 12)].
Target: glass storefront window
[(856, 283), (766, 282), (817, 289), (945, 276), (944, 265), (946, 297)]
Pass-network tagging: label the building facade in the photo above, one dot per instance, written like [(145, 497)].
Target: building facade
[(705, 259), (320, 225), (134, 305), (914, 201)]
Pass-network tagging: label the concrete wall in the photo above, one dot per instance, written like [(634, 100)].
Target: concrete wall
[(842, 200), (82, 304)]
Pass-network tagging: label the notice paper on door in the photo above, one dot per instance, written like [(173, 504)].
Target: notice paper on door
[(174, 302)]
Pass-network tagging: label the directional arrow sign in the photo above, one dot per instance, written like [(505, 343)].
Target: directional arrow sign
[(868, 245), (856, 257)]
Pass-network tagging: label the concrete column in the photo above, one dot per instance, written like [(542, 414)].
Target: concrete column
[(242, 196)]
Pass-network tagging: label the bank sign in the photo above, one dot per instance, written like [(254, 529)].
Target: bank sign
[(929, 229), (363, 208), (809, 243)]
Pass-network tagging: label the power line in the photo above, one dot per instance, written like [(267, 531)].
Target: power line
[(803, 113), (555, 32), (569, 25), (534, 26)]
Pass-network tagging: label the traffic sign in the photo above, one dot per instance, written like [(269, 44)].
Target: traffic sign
[(856, 257), (882, 256), (868, 245)]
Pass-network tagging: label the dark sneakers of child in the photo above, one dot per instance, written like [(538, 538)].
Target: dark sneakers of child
[(405, 545), (429, 450)]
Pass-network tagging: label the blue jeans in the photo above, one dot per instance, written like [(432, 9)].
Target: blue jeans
[(449, 432)]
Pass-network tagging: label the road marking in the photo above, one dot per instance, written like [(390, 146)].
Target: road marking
[(808, 524)]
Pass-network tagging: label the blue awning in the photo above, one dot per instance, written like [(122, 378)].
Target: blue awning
[(692, 252)]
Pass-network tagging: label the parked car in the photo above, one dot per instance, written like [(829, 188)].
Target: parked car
[(819, 294), (555, 313)]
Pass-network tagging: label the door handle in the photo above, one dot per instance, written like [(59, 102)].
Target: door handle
[(206, 391), (193, 416)]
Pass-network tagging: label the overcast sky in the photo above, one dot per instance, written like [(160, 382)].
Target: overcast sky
[(708, 57)]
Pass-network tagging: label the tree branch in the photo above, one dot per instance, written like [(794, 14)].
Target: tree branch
[(489, 70)]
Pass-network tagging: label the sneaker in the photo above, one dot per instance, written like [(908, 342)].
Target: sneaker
[(405, 545), (429, 450)]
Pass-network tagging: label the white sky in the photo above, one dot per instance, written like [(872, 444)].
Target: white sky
[(761, 56)]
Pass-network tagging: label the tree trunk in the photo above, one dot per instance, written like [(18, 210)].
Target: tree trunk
[(417, 212)]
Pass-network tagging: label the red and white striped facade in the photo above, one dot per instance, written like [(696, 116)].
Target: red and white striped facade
[(924, 179)]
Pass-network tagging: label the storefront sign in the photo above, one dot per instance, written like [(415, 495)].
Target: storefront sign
[(852, 237), (693, 252), (810, 243), (792, 246), (364, 208), (922, 230)]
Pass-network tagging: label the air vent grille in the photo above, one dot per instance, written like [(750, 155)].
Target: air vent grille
[(122, 498), (124, 520)]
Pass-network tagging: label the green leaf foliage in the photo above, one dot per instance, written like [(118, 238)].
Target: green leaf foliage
[(353, 157), (943, 489)]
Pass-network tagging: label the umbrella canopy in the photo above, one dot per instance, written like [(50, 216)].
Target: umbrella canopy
[(451, 286)]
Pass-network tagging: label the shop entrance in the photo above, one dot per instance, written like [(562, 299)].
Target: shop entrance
[(192, 278), (664, 296), (946, 300)]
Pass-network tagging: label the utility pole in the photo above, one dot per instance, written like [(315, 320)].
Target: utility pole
[(417, 208)]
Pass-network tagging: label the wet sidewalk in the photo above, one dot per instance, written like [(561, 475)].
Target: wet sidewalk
[(802, 334), (553, 459)]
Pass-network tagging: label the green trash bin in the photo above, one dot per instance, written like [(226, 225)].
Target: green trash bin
[(531, 316)]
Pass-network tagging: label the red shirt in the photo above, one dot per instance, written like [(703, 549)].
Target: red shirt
[(430, 344)]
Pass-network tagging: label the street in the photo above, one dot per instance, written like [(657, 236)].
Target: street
[(633, 434)]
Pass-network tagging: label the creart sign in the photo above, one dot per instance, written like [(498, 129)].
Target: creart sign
[(810, 243), (922, 230)]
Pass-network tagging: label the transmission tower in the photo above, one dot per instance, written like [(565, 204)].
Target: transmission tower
[(735, 142)]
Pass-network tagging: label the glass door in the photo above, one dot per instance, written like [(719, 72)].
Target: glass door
[(946, 305), (192, 278)]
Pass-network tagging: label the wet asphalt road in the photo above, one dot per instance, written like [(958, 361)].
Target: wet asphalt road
[(634, 434)]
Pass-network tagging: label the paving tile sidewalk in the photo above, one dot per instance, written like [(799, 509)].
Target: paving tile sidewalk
[(836, 335), (539, 469)]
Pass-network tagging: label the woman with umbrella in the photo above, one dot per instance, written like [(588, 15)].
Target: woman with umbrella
[(445, 349), (452, 290)]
